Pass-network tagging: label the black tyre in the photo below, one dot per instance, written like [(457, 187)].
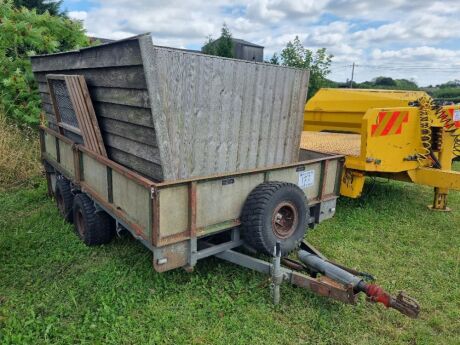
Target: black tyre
[(64, 199), (93, 228), (275, 211)]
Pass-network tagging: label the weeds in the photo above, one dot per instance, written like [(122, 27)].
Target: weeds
[(19, 155)]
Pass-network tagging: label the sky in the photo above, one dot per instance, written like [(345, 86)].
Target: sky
[(417, 40)]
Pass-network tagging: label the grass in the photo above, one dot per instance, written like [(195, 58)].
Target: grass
[(55, 290), (19, 152)]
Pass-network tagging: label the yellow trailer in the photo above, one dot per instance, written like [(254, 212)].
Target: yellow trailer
[(401, 135)]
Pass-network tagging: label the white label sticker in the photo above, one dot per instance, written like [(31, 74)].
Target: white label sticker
[(457, 115), (306, 178)]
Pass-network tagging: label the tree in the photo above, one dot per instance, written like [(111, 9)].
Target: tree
[(223, 46), (319, 62), (24, 33), (384, 81), (275, 59), (41, 6)]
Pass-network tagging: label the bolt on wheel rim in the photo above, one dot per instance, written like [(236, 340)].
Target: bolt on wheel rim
[(284, 220)]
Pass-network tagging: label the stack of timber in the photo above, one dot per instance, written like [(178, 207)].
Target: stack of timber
[(172, 114)]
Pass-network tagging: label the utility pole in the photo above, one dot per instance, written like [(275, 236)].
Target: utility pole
[(352, 74)]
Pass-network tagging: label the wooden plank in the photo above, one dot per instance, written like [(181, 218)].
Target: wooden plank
[(124, 53), (256, 118), (45, 97), (131, 97), (188, 105), (79, 110), (137, 164), (285, 110), (264, 146), (292, 120), (133, 115), (152, 60), (137, 133), (234, 126), (92, 116), (301, 106), (273, 135), (147, 152), (84, 115), (245, 123), (48, 108), (200, 127), (130, 77), (224, 130), (115, 95), (214, 112)]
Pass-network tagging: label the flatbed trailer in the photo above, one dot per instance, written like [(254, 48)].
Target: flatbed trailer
[(170, 218), (184, 221)]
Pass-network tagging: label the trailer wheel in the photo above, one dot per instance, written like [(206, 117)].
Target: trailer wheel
[(93, 228), (274, 211), (64, 198)]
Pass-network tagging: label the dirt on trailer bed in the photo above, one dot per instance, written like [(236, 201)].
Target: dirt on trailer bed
[(332, 143)]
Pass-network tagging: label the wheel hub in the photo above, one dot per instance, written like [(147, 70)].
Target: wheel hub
[(284, 220)]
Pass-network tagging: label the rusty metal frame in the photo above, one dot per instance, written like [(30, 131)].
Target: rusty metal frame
[(321, 287)]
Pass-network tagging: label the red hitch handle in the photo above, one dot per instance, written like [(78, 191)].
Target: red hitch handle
[(402, 303)]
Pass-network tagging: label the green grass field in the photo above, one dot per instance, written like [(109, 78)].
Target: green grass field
[(54, 289)]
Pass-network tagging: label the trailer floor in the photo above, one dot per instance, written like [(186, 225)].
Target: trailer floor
[(55, 290), (333, 143)]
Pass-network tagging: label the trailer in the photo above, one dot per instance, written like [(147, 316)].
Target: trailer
[(190, 207), (184, 221)]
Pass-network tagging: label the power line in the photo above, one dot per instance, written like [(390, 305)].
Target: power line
[(405, 67)]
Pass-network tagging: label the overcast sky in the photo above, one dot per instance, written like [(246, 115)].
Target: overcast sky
[(416, 39)]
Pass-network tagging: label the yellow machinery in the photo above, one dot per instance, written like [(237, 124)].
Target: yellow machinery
[(401, 135)]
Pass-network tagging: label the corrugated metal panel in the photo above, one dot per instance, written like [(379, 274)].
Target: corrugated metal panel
[(215, 115)]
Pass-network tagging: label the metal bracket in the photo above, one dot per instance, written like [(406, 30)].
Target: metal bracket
[(321, 287)]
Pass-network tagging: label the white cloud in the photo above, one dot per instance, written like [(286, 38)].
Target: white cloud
[(369, 33), (79, 15)]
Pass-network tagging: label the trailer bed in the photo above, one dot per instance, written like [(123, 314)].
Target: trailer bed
[(170, 217)]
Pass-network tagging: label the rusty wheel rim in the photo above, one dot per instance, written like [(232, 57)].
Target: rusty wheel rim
[(80, 223), (284, 220)]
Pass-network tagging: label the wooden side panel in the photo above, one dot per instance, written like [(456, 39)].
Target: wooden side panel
[(174, 217), (116, 85), (214, 115), (133, 200), (95, 175), (124, 53)]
